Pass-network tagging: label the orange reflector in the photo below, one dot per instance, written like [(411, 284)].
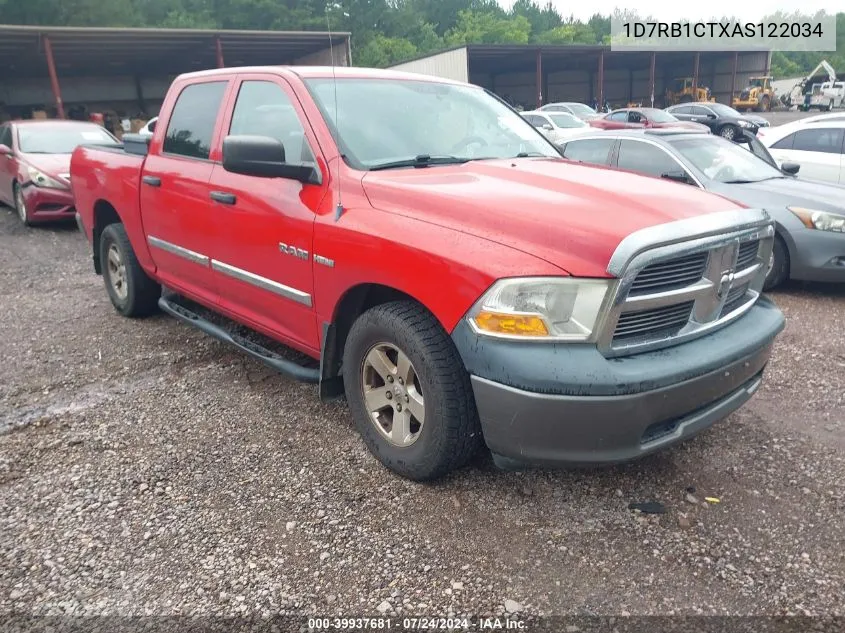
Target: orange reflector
[(502, 323)]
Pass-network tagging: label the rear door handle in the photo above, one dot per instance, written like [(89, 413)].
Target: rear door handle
[(223, 197), (152, 181)]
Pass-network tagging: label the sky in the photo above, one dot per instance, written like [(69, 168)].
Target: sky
[(750, 10)]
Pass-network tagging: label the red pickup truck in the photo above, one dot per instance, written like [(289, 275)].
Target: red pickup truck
[(432, 256)]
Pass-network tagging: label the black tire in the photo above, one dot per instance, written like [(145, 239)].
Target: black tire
[(18, 198), (728, 131), (140, 293), (779, 271), (450, 434), (763, 104)]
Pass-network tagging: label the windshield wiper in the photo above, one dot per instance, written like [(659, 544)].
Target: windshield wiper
[(528, 154), (738, 182), (421, 160)]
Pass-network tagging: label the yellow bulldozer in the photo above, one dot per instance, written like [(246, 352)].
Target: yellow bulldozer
[(682, 92), (757, 95)]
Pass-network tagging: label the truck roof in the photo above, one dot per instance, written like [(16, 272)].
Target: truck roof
[(311, 72)]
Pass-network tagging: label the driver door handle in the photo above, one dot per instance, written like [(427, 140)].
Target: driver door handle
[(223, 197)]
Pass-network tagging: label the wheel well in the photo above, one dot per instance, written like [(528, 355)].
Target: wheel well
[(352, 304), (104, 214)]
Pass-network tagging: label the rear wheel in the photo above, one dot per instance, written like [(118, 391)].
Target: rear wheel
[(778, 271), (132, 292), (764, 104), (20, 205), (409, 392)]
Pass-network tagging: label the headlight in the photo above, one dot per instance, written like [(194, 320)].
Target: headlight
[(743, 124), (545, 308), (821, 220), (40, 179)]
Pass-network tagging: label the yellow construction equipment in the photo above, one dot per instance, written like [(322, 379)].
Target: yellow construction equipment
[(757, 95), (683, 92)]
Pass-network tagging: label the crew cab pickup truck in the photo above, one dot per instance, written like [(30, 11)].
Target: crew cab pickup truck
[(440, 263)]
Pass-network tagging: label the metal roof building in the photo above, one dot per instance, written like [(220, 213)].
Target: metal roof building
[(60, 66), (532, 75)]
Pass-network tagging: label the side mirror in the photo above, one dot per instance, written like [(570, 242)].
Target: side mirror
[(5, 150), (152, 126), (676, 176), (263, 156), (547, 127), (790, 168), (711, 116)]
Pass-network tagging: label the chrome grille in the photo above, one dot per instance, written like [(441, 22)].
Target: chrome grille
[(686, 286), (736, 297), (669, 275), (747, 254), (667, 321)]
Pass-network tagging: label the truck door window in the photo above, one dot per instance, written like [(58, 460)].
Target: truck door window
[(591, 150), (646, 159), (192, 121), (264, 109)]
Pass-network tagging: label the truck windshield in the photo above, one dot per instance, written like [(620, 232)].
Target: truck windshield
[(62, 138), (387, 122)]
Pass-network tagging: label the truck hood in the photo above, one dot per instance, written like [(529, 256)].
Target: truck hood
[(570, 215)]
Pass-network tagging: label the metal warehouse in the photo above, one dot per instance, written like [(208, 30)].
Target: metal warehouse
[(101, 68), (531, 75)]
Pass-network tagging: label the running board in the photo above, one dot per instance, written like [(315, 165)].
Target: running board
[(282, 365)]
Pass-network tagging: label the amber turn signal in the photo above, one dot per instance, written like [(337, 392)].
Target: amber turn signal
[(503, 323)]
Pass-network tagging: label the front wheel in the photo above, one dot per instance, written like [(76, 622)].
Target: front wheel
[(778, 270), (728, 132), (20, 205), (132, 292), (409, 393)]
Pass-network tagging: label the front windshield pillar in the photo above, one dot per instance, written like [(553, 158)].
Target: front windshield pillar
[(651, 76)]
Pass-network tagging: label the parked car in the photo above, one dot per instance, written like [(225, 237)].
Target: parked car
[(35, 165), (721, 119), (457, 279), (642, 118), (798, 123), (809, 216), (818, 147), (580, 110), (556, 126), (149, 127)]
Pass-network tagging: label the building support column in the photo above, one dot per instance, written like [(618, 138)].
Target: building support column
[(54, 78), (139, 92), (695, 73), (218, 49), (733, 77), (539, 79), (651, 77), (601, 80)]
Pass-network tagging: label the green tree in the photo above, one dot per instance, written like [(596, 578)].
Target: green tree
[(487, 28)]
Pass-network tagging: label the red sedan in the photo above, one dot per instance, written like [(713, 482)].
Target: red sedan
[(35, 165), (642, 117)]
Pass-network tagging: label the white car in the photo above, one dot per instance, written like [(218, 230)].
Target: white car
[(147, 130), (819, 148), (794, 125), (556, 126)]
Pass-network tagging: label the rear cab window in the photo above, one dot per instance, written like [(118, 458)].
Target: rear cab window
[(190, 130), (646, 158)]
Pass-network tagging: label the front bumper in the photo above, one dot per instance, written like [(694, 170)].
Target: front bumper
[(817, 255), (557, 404), (45, 205)]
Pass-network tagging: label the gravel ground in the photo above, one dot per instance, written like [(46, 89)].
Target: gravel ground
[(147, 469)]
